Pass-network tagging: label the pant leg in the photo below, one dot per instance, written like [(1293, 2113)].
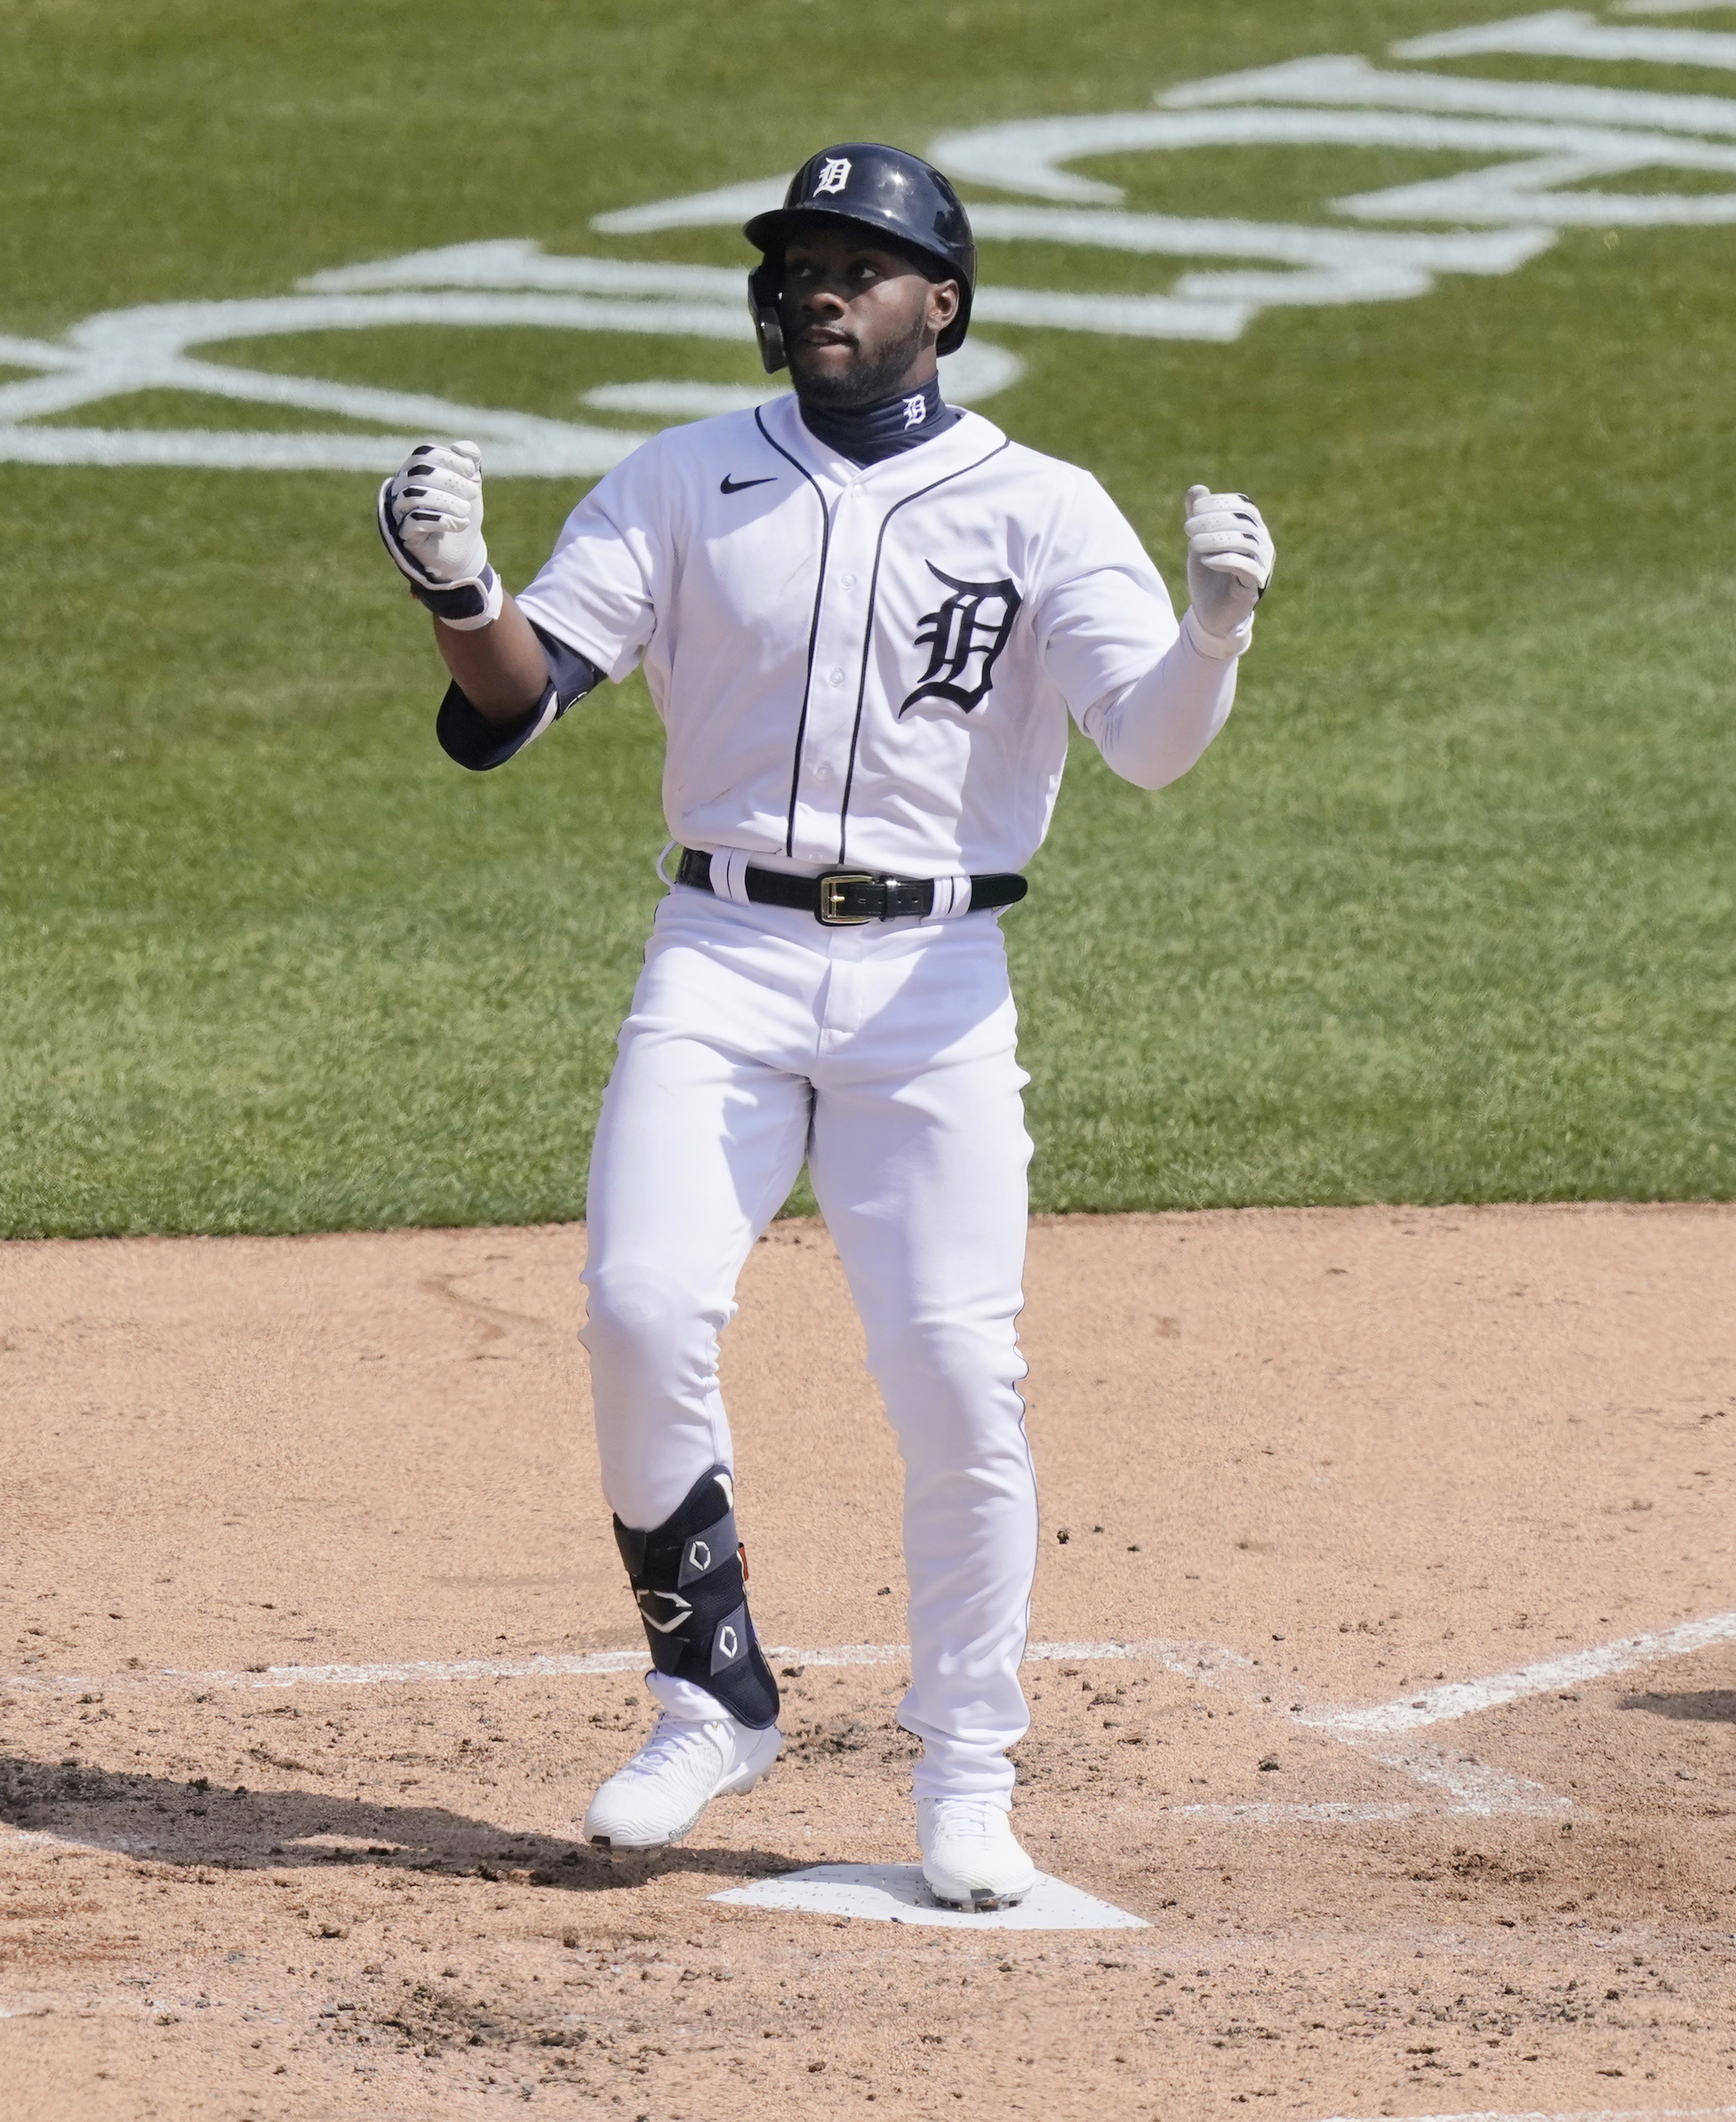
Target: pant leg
[(918, 1159), (699, 1141)]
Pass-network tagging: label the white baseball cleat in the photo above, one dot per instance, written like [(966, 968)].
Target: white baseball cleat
[(971, 1857), (660, 1794)]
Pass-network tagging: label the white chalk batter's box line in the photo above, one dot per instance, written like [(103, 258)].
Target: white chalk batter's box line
[(1466, 1785), (1209, 1661)]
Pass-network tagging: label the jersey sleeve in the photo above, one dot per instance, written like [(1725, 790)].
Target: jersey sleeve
[(600, 590), (1148, 692), (1103, 617)]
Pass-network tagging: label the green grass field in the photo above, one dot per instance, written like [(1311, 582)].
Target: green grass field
[(1445, 915)]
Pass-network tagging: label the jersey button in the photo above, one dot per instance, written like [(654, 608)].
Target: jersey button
[(821, 771), (847, 582), (835, 677)]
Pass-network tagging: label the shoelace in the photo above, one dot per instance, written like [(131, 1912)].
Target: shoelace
[(670, 1737), (960, 1815)]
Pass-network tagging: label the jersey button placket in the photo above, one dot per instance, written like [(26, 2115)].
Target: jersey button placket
[(831, 704)]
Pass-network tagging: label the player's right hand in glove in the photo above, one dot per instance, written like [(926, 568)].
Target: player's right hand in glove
[(1231, 557), (430, 514)]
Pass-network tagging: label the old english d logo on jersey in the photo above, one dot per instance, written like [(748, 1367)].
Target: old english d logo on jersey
[(968, 629)]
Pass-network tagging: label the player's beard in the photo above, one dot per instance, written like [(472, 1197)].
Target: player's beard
[(868, 379)]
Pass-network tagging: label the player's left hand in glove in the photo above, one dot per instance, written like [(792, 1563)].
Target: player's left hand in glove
[(1231, 557), (430, 513)]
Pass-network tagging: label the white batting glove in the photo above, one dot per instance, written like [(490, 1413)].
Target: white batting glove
[(430, 514), (1231, 557)]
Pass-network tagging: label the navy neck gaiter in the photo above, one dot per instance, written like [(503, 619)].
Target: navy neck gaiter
[(867, 433)]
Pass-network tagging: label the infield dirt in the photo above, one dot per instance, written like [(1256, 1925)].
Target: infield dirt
[(1292, 1463)]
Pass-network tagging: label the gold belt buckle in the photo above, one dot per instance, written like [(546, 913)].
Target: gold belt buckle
[(829, 911)]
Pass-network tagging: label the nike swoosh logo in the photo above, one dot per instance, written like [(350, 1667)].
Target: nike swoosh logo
[(728, 485)]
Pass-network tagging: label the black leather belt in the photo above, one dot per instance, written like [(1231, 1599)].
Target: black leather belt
[(845, 898)]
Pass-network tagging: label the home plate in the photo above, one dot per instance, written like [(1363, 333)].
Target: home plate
[(898, 1893)]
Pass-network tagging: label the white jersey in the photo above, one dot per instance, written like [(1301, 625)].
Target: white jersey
[(874, 665)]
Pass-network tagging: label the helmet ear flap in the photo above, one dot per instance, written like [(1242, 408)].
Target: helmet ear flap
[(765, 287)]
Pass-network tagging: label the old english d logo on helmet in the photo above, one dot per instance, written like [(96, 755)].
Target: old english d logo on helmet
[(884, 191)]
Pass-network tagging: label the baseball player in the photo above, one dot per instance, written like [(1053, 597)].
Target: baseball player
[(865, 617)]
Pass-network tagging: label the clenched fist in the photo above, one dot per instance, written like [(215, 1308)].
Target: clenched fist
[(430, 513), (1230, 559)]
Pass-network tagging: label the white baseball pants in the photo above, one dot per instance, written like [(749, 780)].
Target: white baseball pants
[(884, 1056)]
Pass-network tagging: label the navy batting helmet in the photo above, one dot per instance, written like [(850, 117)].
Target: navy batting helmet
[(893, 195)]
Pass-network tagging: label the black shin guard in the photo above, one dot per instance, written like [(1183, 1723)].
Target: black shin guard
[(690, 1580)]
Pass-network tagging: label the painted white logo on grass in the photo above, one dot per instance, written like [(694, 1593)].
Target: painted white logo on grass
[(470, 286), (1545, 153)]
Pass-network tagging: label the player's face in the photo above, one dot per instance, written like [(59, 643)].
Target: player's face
[(861, 322)]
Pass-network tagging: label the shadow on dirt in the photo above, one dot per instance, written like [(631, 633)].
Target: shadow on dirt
[(1712, 1705), (200, 1823)]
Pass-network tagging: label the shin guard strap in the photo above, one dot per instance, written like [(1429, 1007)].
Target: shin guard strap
[(691, 1584)]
